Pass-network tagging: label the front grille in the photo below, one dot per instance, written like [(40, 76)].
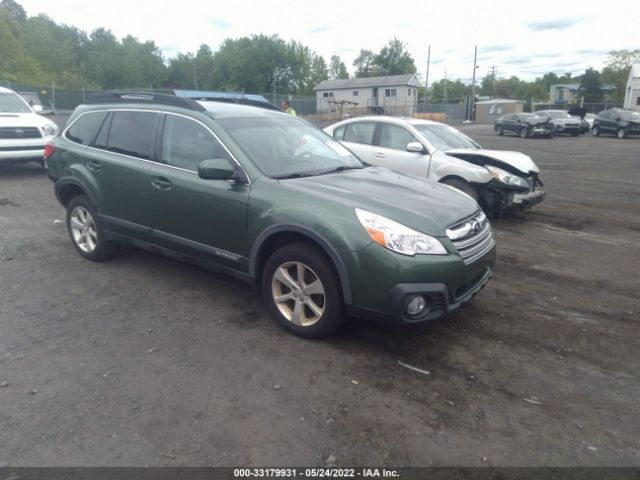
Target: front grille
[(472, 237), (19, 132)]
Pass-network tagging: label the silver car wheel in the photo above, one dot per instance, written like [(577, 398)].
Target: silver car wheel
[(83, 229), (298, 293)]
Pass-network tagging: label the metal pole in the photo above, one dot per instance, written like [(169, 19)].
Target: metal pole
[(445, 84), (472, 117), (426, 83), (195, 77), (53, 94)]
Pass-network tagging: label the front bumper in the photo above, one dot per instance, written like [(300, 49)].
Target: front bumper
[(560, 128), (24, 150), (526, 200), (394, 305), (541, 131)]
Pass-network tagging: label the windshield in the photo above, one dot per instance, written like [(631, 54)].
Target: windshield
[(444, 137), (12, 103), (630, 116), (288, 147)]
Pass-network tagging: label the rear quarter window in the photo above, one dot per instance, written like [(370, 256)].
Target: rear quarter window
[(360, 132), (85, 128), (131, 133)]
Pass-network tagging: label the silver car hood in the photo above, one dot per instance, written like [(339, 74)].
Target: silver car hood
[(517, 160)]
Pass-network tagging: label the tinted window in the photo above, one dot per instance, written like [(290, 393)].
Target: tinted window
[(131, 133), (511, 116), (84, 129), (359, 132), (444, 137), (630, 116), (187, 143), (394, 136), (604, 114)]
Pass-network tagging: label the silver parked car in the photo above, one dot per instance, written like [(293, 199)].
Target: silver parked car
[(496, 179), (562, 121)]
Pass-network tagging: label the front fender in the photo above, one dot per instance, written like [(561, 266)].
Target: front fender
[(443, 165)]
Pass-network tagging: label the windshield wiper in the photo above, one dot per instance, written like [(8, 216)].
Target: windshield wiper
[(341, 168), (293, 175)]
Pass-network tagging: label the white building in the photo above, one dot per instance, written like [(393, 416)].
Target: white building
[(632, 92), (391, 95)]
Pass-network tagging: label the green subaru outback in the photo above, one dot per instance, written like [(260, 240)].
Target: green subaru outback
[(271, 200)]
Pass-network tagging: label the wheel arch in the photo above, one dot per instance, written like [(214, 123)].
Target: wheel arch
[(69, 187), (279, 235)]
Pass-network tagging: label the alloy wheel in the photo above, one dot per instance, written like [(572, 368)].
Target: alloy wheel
[(83, 229), (298, 293)]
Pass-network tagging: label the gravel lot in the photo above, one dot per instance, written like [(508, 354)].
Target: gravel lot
[(146, 361)]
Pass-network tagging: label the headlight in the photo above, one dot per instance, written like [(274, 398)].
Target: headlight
[(49, 129), (397, 237), (507, 178)]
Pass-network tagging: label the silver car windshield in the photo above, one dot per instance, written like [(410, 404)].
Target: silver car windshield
[(12, 103), (288, 147), (444, 137)]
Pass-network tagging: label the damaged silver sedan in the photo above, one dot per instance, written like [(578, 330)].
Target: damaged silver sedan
[(496, 179)]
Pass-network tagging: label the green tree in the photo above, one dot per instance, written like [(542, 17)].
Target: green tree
[(394, 59), (337, 69), (456, 91), (319, 72), (616, 72), (364, 64), (591, 86)]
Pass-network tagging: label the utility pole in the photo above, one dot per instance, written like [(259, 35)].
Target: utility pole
[(472, 113), (426, 83), (493, 78), (445, 84)]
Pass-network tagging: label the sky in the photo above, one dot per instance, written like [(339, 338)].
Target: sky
[(526, 39)]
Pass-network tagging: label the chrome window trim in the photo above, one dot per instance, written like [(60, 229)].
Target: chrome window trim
[(107, 110)]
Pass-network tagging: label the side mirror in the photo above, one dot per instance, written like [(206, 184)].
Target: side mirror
[(37, 108), (415, 147), (216, 169)]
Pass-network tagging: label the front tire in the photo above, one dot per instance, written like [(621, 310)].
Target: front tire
[(499, 130), (524, 132), (302, 291), (463, 186), (595, 131), (86, 231), (622, 133)]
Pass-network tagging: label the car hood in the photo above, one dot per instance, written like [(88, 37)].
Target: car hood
[(22, 120), (517, 160), (420, 204)]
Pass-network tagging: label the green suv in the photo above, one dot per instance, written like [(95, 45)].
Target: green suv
[(272, 200)]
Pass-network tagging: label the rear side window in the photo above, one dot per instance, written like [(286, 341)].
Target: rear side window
[(131, 133), (359, 132), (187, 143), (84, 129)]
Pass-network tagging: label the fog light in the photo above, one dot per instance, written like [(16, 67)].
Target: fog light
[(416, 306)]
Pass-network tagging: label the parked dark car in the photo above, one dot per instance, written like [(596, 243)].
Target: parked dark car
[(524, 124), (620, 123), (272, 200)]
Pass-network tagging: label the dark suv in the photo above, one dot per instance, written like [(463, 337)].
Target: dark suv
[(269, 199), (620, 123)]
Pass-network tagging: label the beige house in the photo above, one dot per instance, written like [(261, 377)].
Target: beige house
[(390, 95)]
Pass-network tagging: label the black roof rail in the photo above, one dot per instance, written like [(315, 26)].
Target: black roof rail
[(143, 97), (240, 101)]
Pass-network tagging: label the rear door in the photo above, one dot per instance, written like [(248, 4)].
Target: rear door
[(119, 161), (391, 151), (203, 218), (606, 121), (509, 123)]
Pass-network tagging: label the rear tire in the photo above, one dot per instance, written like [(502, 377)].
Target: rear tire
[(499, 130), (463, 186), (302, 291), (595, 131), (524, 132), (86, 230), (622, 133)]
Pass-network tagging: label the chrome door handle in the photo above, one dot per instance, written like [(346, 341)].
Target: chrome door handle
[(94, 166), (379, 155)]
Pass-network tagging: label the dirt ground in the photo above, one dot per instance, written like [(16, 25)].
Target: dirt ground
[(146, 361)]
